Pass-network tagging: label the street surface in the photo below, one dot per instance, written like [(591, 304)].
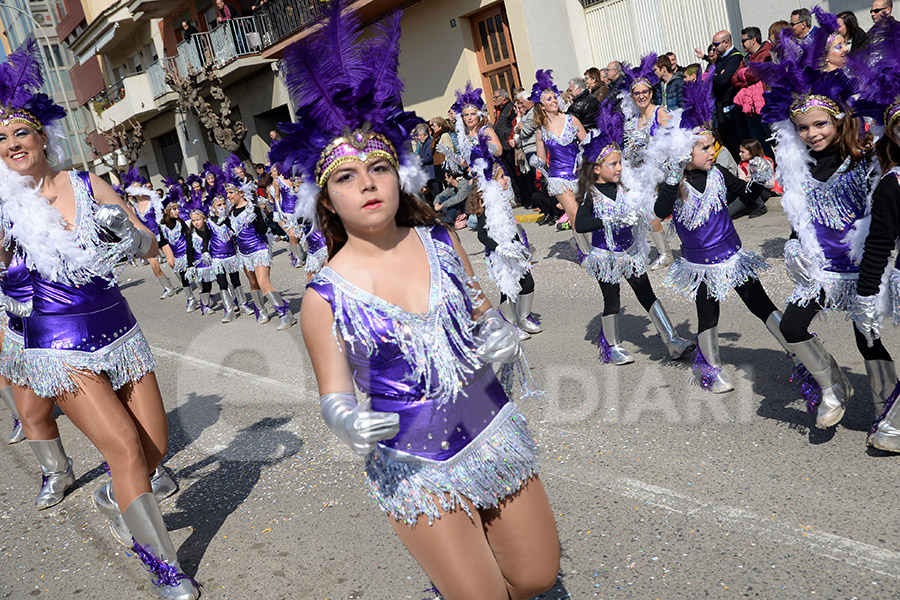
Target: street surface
[(661, 490)]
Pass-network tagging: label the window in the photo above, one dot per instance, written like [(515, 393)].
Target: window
[(496, 57)]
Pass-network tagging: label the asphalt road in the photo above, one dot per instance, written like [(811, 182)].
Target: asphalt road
[(661, 490)]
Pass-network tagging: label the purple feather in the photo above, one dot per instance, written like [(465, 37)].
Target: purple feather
[(809, 388), (887, 407), (605, 348), (609, 130), (163, 573), (481, 151), (384, 52), (20, 84), (468, 96), (132, 177), (875, 71), (544, 82), (642, 71), (699, 103), (707, 372), (232, 163)]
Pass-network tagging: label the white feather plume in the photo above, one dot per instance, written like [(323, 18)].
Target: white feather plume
[(38, 231), (55, 151), (412, 176), (305, 209), (155, 200)]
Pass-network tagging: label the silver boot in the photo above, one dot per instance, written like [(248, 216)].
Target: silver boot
[(231, 312), (661, 242), (612, 351), (56, 468), (192, 302), (834, 385), (168, 290), (773, 324), (286, 318), (298, 255), (154, 547), (206, 307), (105, 502), (523, 314), (261, 315), (885, 434), (677, 346), (18, 434), (508, 311), (708, 366), (162, 484), (247, 308)]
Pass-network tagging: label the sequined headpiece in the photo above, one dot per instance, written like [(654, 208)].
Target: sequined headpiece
[(543, 83), (20, 98), (804, 104), (641, 74), (469, 97), (343, 83), (609, 132)]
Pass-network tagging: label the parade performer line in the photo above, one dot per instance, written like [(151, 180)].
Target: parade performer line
[(872, 558)]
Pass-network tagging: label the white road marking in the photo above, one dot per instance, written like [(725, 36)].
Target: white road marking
[(878, 560)]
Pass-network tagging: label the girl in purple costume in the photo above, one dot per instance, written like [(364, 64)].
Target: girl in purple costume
[(696, 194), (226, 263), (203, 272), (194, 199), (83, 346), (827, 170), (285, 203), (177, 234), (148, 207), (249, 227), (449, 457), (316, 250), (618, 239)]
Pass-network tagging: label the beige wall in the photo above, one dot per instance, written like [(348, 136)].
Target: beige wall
[(253, 95), (436, 59), (92, 8)]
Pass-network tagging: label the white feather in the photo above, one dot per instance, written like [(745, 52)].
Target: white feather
[(155, 200), (305, 209), (412, 176), (38, 231), (55, 151)]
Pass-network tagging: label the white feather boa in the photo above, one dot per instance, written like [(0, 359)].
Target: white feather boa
[(305, 209), (155, 200), (37, 231), (511, 260), (412, 176)]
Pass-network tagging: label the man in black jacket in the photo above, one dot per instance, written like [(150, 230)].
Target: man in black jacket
[(731, 123), (504, 115), (584, 105)]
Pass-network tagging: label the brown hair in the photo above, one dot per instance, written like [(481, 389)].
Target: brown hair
[(475, 202), (595, 74), (664, 62), (775, 28), (888, 153), (411, 212), (167, 209), (540, 117), (753, 147), (849, 142)]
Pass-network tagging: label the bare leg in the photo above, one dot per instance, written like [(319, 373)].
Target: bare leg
[(569, 204), (510, 552), (154, 266), (262, 276), (251, 279), (36, 414)]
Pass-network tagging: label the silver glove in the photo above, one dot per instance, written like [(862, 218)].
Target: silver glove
[(190, 274), (673, 169), (357, 424), (114, 218), (205, 259), (864, 317), (800, 265), (497, 338), (492, 148), (761, 170), (14, 307)]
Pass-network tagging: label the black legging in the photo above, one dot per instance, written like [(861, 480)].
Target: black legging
[(795, 328), (546, 204), (527, 285), (222, 280), (184, 280), (751, 293), (642, 289)]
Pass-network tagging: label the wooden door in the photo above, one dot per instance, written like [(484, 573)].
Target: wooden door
[(496, 57)]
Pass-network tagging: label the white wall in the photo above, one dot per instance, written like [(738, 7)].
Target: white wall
[(558, 37)]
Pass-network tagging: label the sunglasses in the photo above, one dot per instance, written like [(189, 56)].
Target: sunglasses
[(745, 40), (795, 24), (716, 44), (875, 11)]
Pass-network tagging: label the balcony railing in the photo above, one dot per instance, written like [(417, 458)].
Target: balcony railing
[(280, 18), (109, 96)]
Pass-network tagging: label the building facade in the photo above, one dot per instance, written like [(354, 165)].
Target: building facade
[(123, 48)]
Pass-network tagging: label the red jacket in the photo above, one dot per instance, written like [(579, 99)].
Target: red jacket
[(744, 77)]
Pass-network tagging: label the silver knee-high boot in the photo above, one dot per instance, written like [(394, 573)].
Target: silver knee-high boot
[(611, 350), (523, 314), (661, 242), (231, 312), (508, 311), (168, 290), (833, 384), (286, 318), (262, 316), (104, 499), (708, 365), (676, 345), (885, 434), (773, 324), (248, 309), (193, 303), (18, 434), (206, 307), (56, 468), (154, 547), (298, 255)]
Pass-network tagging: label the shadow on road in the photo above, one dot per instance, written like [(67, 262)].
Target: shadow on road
[(232, 475)]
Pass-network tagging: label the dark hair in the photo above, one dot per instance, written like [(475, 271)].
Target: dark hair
[(775, 28), (802, 15), (594, 73), (753, 147), (848, 141), (586, 180), (165, 216), (855, 34), (753, 32), (474, 203), (411, 212), (888, 153), (664, 62)]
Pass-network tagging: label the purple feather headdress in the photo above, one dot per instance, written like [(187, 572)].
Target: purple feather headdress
[(795, 80), (699, 104), (482, 151), (877, 74), (232, 163), (609, 133), (468, 97), (20, 98), (133, 177), (217, 188), (176, 191), (348, 97), (643, 73), (543, 83)]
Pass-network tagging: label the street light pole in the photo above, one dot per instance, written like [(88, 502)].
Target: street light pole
[(62, 88)]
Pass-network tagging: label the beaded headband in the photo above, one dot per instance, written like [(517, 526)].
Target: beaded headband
[(607, 150), (892, 114), (19, 115), (640, 81), (804, 104), (359, 145)]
